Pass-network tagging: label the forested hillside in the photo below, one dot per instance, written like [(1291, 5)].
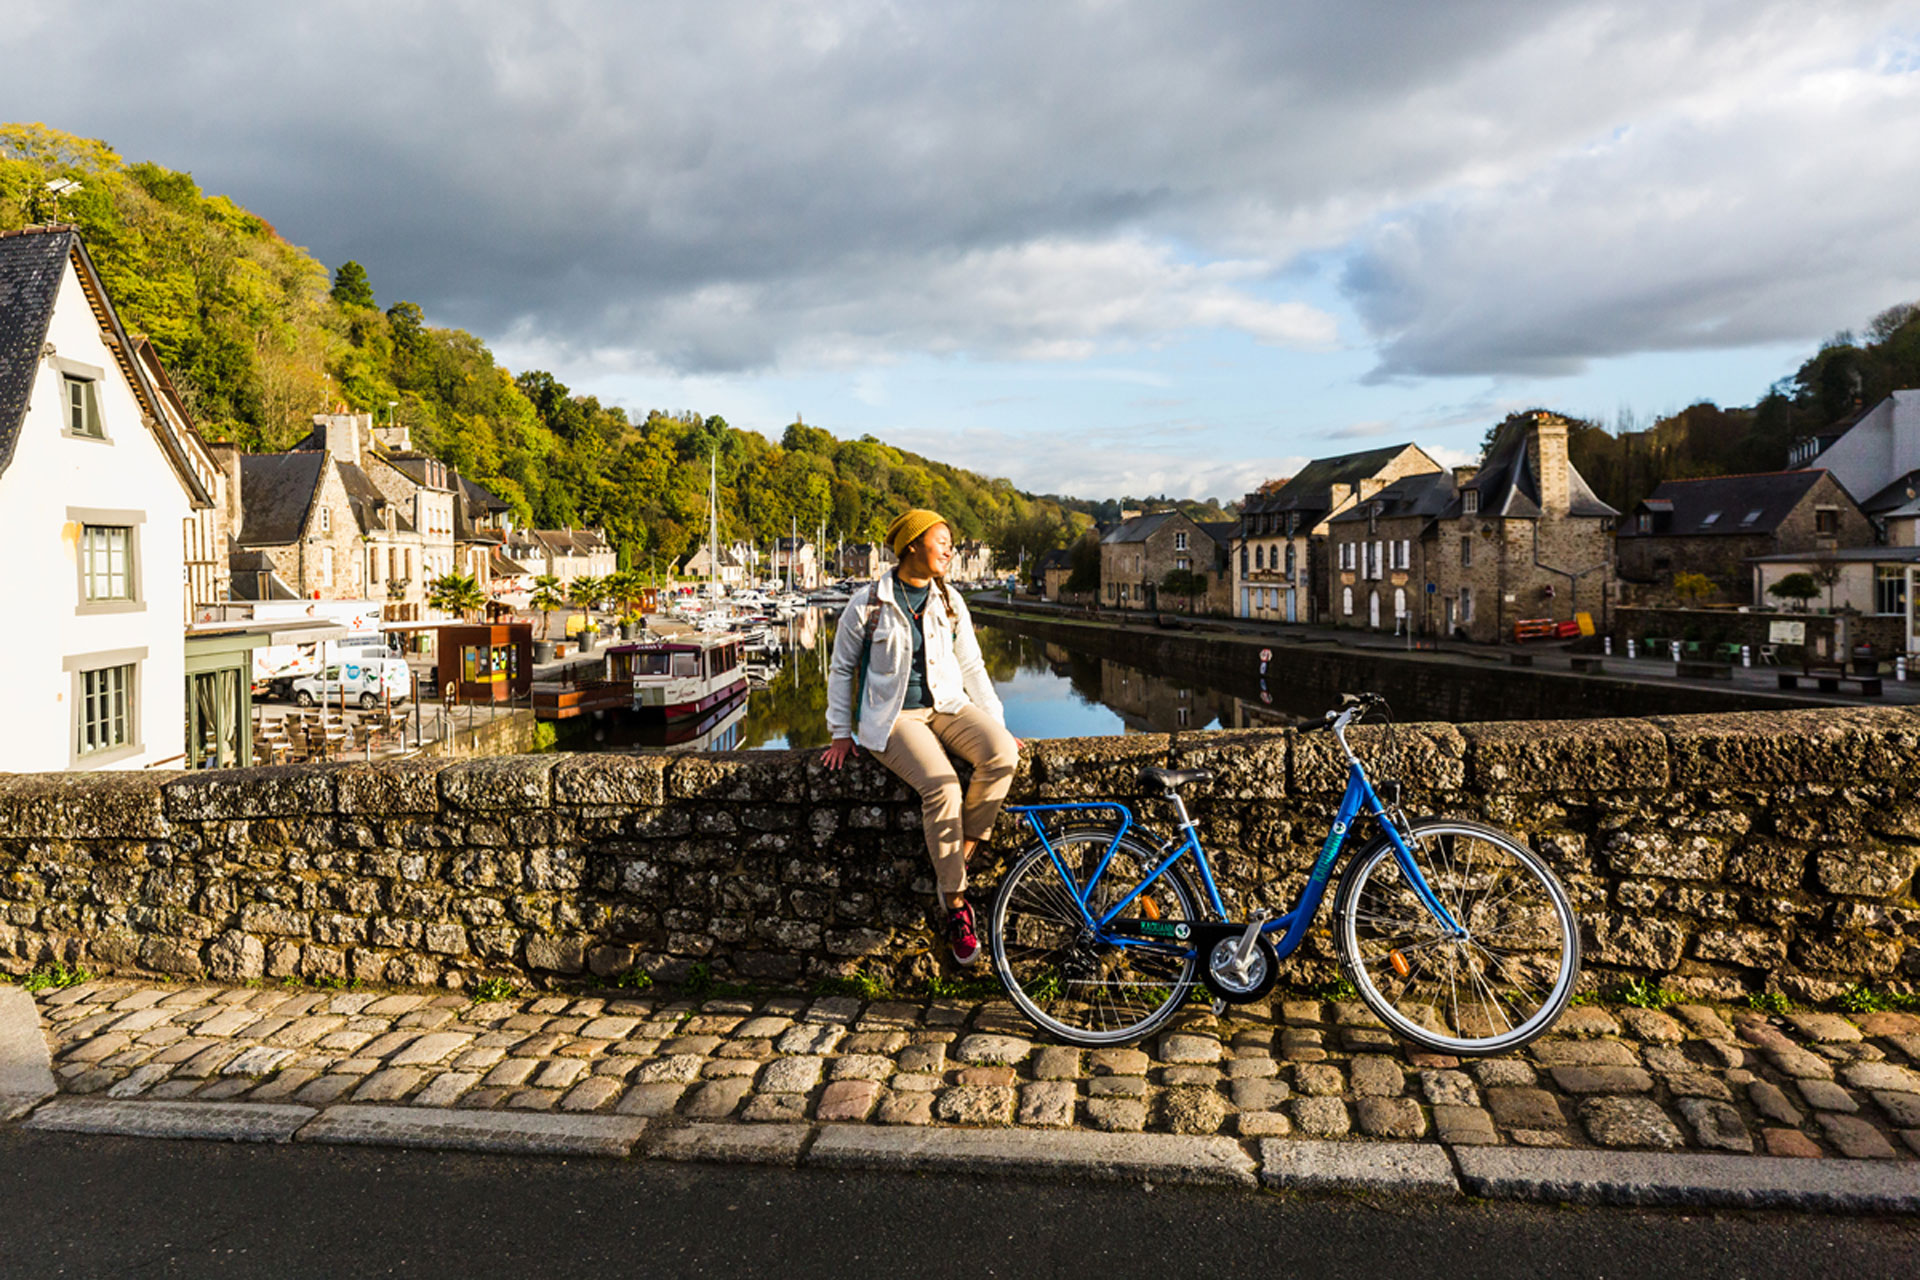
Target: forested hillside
[(1847, 376), (260, 336)]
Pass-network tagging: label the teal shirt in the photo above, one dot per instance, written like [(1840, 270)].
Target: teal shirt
[(914, 601)]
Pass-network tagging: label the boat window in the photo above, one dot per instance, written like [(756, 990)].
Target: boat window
[(650, 664), (686, 664)]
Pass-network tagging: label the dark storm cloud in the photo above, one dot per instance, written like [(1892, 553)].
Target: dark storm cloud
[(716, 186)]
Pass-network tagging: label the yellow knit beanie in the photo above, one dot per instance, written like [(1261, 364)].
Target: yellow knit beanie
[(909, 526)]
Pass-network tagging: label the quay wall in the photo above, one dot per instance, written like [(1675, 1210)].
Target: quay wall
[(1310, 676), (1717, 854)]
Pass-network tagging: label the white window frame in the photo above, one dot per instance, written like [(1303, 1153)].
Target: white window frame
[(101, 518), (1346, 601), (81, 668), (326, 519), (1470, 502), (1180, 542)]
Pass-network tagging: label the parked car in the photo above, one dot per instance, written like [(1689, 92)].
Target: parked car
[(368, 681)]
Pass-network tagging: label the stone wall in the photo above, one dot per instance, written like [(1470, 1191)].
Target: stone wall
[(1727, 626), (1720, 854)]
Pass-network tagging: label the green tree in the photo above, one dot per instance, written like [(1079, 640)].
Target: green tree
[(548, 595), (1184, 582), (1797, 587), (1693, 589), (456, 593), (583, 593), (1085, 559), (351, 288)]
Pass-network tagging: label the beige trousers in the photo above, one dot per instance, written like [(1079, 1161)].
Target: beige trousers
[(917, 751)]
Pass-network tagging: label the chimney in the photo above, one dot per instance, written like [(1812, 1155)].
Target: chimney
[(341, 434), (1461, 475), (226, 456), (1548, 443)]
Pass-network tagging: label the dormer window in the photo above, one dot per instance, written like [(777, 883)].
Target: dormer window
[(1470, 501), (1643, 523)]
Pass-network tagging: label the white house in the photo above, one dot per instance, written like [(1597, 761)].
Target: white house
[(1877, 453), (96, 488)]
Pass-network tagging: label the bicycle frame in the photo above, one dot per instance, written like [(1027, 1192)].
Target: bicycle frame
[(1359, 796)]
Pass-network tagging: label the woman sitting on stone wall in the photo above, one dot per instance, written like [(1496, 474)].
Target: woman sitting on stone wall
[(909, 685)]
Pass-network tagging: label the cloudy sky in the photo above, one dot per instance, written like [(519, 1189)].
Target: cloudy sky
[(1095, 246)]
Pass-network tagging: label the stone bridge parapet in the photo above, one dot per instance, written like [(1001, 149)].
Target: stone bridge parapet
[(1717, 854)]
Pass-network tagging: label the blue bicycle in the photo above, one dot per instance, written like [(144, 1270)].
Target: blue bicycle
[(1457, 936)]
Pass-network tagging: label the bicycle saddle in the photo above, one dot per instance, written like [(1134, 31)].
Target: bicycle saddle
[(1172, 778)]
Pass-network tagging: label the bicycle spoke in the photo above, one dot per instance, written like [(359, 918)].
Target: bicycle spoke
[(1500, 984)]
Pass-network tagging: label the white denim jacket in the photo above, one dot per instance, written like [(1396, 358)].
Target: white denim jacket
[(956, 675)]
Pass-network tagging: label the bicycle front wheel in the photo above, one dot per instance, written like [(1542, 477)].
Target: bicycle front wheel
[(1081, 989), (1491, 990)]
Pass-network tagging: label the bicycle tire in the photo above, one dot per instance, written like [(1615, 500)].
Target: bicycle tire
[(1069, 985), (1472, 996)]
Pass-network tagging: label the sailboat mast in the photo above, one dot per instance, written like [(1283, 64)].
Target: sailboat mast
[(713, 518)]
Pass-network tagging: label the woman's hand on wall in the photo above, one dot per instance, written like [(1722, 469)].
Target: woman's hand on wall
[(836, 755)]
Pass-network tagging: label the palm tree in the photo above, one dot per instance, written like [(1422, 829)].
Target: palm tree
[(628, 588), (548, 595), (582, 592), (456, 593)]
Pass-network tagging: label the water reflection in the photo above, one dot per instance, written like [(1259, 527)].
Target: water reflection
[(1048, 690)]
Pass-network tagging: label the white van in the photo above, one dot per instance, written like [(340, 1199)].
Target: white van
[(368, 681)]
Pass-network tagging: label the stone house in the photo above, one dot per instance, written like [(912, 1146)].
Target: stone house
[(730, 570), (1279, 558), (865, 560), (97, 482), (972, 561), (798, 557), (1138, 554), (1052, 571), (1715, 525), (574, 553), (1524, 538), (1382, 550)]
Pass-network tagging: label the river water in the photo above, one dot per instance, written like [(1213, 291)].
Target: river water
[(1048, 692)]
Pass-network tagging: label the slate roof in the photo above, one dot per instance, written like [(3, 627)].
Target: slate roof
[(250, 570), (1509, 483), (31, 267), (571, 542), (1221, 531), (1138, 529), (1311, 491), (32, 264), (276, 493), (1058, 558), (1717, 506), (1896, 498), (1427, 495), (423, 469)]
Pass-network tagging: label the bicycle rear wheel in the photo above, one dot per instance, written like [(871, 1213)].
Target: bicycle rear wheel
[(1493, 990), (1071, 984)]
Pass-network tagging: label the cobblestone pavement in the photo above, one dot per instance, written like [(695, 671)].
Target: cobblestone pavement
[(1693, 1077)]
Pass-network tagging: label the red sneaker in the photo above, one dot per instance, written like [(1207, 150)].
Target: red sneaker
[(960, 933)]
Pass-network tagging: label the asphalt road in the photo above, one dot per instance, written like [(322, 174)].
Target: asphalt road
[(81, 1206)]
